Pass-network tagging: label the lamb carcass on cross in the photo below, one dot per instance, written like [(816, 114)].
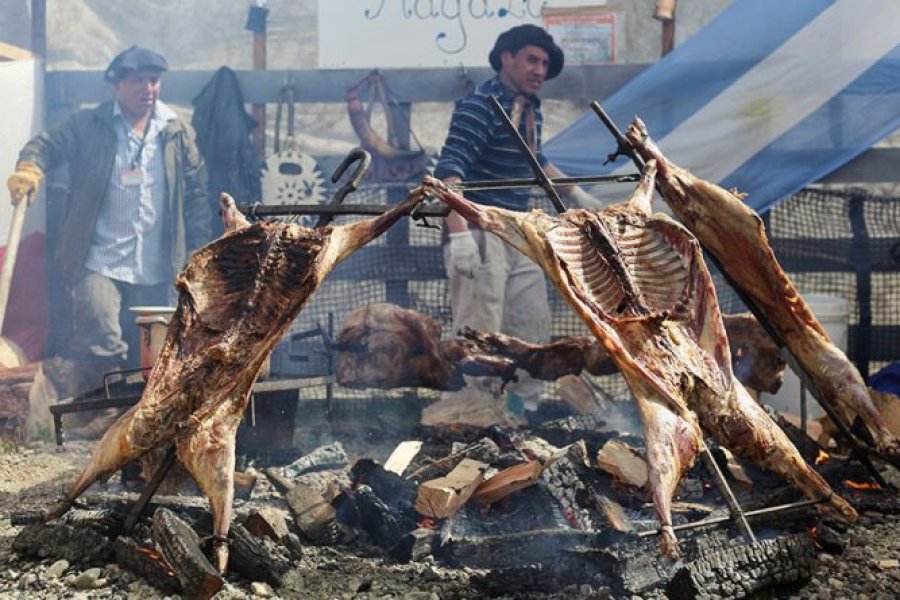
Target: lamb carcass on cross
[(640, 284), (734, 234), (237, 297)]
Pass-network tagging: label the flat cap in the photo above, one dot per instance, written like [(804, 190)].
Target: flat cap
[(520, 36), (135, 58)]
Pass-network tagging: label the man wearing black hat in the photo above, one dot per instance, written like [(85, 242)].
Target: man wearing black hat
[(492, 286), (136, 206)]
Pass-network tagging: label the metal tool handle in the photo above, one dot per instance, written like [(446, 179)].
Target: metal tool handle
[(364, 161), (12, 250)]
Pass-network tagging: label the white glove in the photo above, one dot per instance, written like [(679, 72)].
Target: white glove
[(464, 254)]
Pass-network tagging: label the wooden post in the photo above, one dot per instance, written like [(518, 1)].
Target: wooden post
[(665, 12), (256, 22), (39, 28)]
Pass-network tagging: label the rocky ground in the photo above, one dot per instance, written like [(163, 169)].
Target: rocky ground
[(29, 476)]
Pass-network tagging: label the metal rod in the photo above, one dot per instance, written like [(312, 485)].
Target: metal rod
[(749, 514), (734, 506), (500, 184), (861, 451), (536, 168), (151, 488), (261, 210)]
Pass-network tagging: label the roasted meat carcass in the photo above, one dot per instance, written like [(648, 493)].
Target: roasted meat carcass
[(237, 297), (734, 234), (382, 345), (640, 284)]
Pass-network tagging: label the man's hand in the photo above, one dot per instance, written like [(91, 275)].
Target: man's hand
[(24, 182), (464, 254)]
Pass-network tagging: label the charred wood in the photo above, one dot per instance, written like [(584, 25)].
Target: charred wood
[(146, 563), (252, 557), (414, 546), (315, 517), (745, 570), (484, 450), (180, 545), (267, 522), (563, 432), (398, 493), (78, 545), (331, 456), (376, 518)]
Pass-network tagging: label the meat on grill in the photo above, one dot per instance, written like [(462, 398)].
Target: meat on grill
[(237, 297), (640, 284), (734, 234), (384, 346)]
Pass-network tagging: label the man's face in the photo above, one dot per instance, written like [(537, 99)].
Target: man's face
[(525, 70), (138, 91)]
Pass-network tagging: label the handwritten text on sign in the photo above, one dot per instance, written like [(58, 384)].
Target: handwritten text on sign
[(419, 33)]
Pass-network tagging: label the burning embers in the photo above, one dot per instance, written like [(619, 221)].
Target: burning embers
[(495, 499)]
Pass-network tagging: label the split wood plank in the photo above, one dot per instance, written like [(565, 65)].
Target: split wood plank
[(507, 482), (622, 462), (442, 497), (402, 456)]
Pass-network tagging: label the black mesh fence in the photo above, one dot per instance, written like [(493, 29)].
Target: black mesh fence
[(837, 244)]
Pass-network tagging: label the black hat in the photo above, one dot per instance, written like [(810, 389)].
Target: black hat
[(527, 35), (135, 58)]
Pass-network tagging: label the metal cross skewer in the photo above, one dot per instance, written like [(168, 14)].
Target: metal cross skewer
[(543, 180)]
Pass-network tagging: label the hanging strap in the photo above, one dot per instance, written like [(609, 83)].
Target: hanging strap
[(285, 96)]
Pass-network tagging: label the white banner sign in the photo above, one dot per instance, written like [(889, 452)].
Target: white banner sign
[(363, 34)]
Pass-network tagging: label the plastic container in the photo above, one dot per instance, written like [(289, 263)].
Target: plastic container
[(833, 313)]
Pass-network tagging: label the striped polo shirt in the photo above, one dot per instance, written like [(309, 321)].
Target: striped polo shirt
[(130, 241), (479, 146)]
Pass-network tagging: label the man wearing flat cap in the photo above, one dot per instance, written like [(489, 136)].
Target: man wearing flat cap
[(492, 286), (136, 206)]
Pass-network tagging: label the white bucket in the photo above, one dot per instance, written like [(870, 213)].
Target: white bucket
[(833, 313)]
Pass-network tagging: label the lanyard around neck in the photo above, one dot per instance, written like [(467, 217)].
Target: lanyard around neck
[(136, 160)]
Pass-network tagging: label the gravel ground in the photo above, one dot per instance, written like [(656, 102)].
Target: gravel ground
[(30, 476)]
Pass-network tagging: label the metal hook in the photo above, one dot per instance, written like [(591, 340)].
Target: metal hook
[(364, 160)]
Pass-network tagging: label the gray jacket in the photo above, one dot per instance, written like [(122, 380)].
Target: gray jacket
[(86, 142)]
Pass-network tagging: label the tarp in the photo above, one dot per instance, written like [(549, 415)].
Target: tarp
[(21, 117), (767, 98)]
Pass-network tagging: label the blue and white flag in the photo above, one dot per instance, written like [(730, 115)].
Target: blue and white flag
[(767, 98)]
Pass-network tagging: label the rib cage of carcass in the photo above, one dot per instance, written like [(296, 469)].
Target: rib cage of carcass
[(640, 284), (237, 297), (734, 234)]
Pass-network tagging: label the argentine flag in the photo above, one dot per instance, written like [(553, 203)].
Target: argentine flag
[(769, 97)]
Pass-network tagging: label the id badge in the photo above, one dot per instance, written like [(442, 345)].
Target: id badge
[(132, 177)]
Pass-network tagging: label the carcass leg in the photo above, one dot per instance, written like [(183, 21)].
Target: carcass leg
[(672, 445), (207, 452), (747, 430), (112, 451)]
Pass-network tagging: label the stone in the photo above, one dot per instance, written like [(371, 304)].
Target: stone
[(87, 579), (56, 569), (261, 589)]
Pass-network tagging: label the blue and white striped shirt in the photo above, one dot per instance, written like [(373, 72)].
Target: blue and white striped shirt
[(479, 146), (130, 241)]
